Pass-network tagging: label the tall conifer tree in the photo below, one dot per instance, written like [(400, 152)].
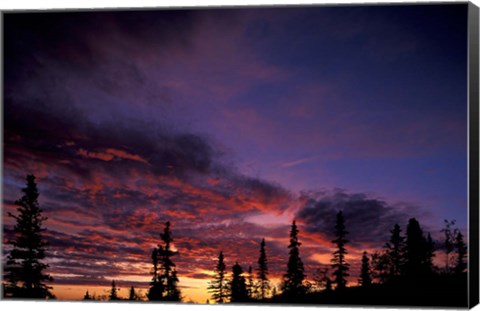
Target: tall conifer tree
[(217, 286), (168, 268), (395, 252), (293, 280), (365, 274), (164, 285), (24, 269), (339, 264), (263, 282), (419, 251)]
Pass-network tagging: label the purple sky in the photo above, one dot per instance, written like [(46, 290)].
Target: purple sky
[(243, 118)]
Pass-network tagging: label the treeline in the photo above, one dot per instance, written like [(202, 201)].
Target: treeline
[(112, 295), (401, 273)]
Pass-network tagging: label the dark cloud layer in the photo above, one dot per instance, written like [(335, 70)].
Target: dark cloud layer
[(368, 220)]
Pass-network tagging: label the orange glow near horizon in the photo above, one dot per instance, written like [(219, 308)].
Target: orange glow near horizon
[(193, 290)]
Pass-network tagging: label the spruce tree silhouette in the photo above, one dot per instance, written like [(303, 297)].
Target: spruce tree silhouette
[(87, 296), (262, 275), (461, 249), (25, 275), (417, 251), (175, 294), (238, 287), (338, 261), (217, 286), (155, 292), (132, 295), (113, 294), (172, 293), (293, 281), (395, 252), (164, 285), (406, 268), (365, 274)]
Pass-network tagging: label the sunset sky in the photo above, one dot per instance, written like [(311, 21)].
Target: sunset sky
[(230, 123)]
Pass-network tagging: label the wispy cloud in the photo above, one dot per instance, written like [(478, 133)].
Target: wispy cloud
[(299, 162)]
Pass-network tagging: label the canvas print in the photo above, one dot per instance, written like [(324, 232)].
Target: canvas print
[(298, 155)]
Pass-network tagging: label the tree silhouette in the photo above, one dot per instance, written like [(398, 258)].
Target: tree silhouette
[(172, 293), (415, 247), (418, 251), (449, 240), (293, 280), (461, 248), (113, 295), (217, 285), (395, 252), (155, 292), (238, 287), (263, 282), (87, 296), (365, 274), (24, 269), (164, 285), (381, 266), (175, 293), (132, 295), (338, 261)]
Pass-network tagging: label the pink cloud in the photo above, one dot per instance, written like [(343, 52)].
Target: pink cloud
[(109, 154)]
